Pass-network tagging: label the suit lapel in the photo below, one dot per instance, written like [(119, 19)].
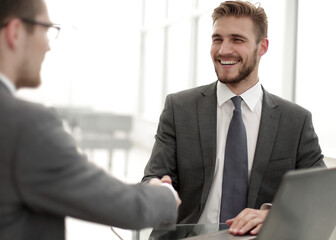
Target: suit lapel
[(267, 132), (207, 116)]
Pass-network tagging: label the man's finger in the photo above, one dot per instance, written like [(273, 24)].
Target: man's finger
[(155, 181), (166, 179)]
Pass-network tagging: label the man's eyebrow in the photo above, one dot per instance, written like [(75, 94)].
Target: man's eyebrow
[(238, 36), (215, 35)]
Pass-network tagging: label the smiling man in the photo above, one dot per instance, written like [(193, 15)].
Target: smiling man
[(236, 51), (225, 146), (43, 177)]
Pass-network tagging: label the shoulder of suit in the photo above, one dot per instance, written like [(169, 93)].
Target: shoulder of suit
[(285, 104), (22, 110)]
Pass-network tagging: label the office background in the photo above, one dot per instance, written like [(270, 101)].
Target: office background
[(126, 56)]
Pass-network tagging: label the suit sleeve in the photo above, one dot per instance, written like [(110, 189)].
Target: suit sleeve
[(309, 151), (163, 158), (53, 177)]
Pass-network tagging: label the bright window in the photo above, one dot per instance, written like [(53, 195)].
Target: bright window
[(316, 80), (186, 43)]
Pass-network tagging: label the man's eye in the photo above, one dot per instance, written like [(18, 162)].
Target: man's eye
[(216, 40), (238, 40)]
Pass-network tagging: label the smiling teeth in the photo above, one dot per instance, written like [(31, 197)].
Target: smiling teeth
[(228, 62)]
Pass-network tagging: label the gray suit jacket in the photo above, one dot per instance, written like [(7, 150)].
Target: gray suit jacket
[(43, 178), (185, 147)]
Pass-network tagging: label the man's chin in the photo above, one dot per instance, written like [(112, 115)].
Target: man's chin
[(230, 81), (29, 84)]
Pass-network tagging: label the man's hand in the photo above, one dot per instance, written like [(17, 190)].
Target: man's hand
[(248, 220), (164, 179), (167, 180)]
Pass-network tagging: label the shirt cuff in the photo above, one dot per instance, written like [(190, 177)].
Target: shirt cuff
[(266, 206)]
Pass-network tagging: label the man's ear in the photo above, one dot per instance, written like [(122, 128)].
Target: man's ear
[(13, 29), (263, 46)]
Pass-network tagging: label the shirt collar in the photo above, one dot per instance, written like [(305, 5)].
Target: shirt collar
[(250, 97), (8, 83)]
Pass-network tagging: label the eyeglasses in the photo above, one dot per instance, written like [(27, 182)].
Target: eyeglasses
[(53, 29)]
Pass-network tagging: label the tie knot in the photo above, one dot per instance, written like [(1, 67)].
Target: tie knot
[(236, 101)]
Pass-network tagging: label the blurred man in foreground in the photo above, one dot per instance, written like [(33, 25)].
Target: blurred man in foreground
[(42, 176)]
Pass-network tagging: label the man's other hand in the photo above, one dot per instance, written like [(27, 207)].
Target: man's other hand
[(248, 220)]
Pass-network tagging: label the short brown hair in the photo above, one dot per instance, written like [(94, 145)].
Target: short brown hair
[(246, 9), (19, 9)]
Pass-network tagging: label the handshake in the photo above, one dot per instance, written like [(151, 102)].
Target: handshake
[(167, 182)]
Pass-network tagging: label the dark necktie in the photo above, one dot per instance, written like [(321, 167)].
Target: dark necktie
[(235, 175)]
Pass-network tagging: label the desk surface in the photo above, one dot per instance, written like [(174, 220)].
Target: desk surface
[(180, 231)]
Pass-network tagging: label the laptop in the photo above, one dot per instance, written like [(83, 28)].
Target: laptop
[(304, 208)]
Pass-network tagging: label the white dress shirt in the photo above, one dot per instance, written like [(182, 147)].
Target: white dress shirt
[(251, 111), (8, 83)]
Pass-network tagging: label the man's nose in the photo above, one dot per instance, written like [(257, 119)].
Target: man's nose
[(226, 48)]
